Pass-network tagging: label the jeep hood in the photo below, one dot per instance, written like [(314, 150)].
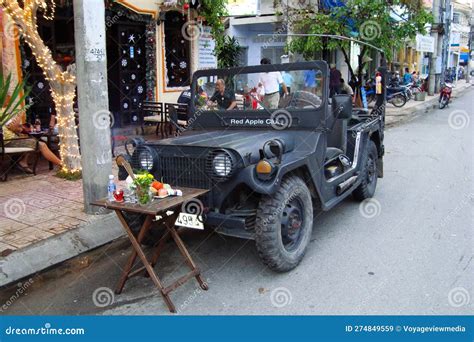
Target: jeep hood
[(243, 142)]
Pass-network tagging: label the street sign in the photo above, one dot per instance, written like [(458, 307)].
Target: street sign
[(425, 43), (206, 45)]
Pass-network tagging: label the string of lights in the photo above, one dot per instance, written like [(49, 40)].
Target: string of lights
[(62, 82)]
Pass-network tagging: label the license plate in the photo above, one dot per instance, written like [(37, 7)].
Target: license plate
[(189, 221)]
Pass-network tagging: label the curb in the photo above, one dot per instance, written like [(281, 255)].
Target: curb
[(52, 251), (420, 109)]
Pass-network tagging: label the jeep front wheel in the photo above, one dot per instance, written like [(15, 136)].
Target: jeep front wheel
[(284, 225)]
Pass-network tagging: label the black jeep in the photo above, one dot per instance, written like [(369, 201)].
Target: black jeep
[(268, 169)]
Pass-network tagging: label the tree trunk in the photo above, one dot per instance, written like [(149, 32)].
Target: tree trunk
[(62, 83), (63, 96)]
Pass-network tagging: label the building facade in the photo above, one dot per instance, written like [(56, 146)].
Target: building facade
[(152, 50)]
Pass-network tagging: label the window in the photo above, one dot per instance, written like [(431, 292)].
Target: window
[(177, 51), (274, 53), (456, 18)]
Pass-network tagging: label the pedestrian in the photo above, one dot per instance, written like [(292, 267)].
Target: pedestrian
[(346, 89), (310, 82), (407, 77), (288, 81), (12, 132), (334, 80), (271, 82), (224, 98)]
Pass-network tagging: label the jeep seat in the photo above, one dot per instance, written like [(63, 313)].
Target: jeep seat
[(336, 138)]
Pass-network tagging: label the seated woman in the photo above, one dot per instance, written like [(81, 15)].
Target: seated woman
[(12, 130)]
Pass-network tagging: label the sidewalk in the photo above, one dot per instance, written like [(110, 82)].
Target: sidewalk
[(43, 223), (395, 116)]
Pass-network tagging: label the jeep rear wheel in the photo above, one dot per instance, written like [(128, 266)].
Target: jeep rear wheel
[(366, 189), (284, 225)]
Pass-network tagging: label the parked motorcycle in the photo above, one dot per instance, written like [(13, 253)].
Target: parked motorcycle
[(445, 95), (397, 96)]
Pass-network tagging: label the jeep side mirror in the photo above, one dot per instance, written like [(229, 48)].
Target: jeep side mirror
[(342, 106)]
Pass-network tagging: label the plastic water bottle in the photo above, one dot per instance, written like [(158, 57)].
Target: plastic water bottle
[(111, 188)]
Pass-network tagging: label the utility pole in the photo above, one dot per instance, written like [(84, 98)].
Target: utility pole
[(447, 37), (435, 28), (94, 117), (468, 67)]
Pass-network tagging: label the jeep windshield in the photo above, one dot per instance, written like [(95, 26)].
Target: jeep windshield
[(280, 96)]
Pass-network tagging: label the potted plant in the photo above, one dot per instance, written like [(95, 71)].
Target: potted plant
[(142, 183), (11, 104)]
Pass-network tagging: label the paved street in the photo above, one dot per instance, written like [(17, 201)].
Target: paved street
[(408, 252)]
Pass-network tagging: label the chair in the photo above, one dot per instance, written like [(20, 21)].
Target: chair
[(153, 113), (177, 116), (13, 154)]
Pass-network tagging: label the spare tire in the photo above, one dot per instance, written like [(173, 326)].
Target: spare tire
[(300, 99)]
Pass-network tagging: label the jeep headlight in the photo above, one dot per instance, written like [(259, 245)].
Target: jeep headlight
[(222, 164), (145, 160)]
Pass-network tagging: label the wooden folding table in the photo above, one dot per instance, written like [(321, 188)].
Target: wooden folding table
[(168, 208)]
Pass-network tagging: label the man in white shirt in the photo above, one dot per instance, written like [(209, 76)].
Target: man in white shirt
[(271, 82)]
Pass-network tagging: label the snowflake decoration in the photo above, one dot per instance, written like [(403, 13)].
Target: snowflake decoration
[(26, 63), (40, 85), (125, 105), (140, 89), (124, 62), (183, 64), (131, 38), (139, 51), (133, 77), (134, 118)]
